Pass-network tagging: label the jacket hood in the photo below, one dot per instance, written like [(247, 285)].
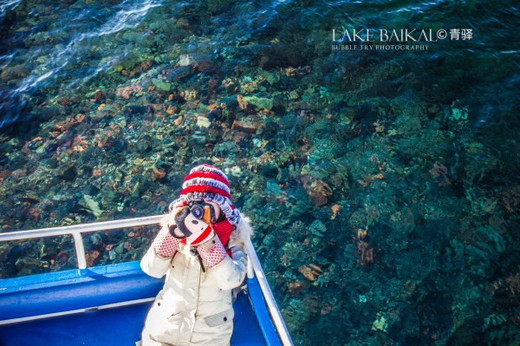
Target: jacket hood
[(243, 231)]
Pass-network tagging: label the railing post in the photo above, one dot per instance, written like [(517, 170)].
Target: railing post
[(80, 250)]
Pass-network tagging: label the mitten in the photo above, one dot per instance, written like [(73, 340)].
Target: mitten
[(165, 244), (212, 252)]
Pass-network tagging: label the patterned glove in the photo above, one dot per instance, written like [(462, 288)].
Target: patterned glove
[(165, 244), (212, 252)]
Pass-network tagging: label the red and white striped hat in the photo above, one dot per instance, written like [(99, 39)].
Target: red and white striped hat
[(210, 183)]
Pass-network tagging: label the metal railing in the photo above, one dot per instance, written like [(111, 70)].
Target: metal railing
[(77, 230), (276, 315), (254, 267)]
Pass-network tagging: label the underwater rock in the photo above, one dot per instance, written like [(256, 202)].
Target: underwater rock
[(293, 95), (272, 188), (34, 143), (119, 249), (235, 171), (203, 122), (202, 63), (65, 101), (218, 6), (92, 205), (260, 102), (229, 86), (4, 174), (19, 173), (317, 228), (181, 73), (27, 265), (182, 23), (456, 112), (246, 126), (161, 84), (92, 257), (319, 192), (225, 148), (215, 114), (257, 142), (295, 287), (380, 323), (67, 173), (117, 146), (406, 123), (126, 92), (270, 128), (296, 72), (248, 85), (335, 209), (145, 65), (96, 239), (157, 173), (365, 250), (136, 109), (358, 219), (440, 174), (14, 72), (271, 77), (311, 273), (242, 103), (402, 222), (199, 137), (269, 170), (99, 97), (171, 110), (369, 179), (185, 60), (511, 198)]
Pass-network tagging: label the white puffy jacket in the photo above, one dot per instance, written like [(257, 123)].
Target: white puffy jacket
[(195, 306)]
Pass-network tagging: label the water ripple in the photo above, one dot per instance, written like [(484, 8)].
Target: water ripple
[(60, 57), (7, 6)]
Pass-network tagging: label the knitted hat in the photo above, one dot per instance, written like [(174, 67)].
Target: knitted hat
[(210, 183)]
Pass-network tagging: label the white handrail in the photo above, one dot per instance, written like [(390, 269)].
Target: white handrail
[(82, 228), (76, 231), (274, 311)]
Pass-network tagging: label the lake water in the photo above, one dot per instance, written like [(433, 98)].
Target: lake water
[(374, 144)]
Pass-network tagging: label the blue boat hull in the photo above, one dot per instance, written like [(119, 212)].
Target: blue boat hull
[(91, 300)]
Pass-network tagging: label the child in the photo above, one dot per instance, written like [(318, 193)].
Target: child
[(200, 249)]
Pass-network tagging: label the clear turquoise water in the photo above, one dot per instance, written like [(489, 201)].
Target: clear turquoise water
[(417, 148)]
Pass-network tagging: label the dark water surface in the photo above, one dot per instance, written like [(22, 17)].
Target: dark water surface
[(383, 184)]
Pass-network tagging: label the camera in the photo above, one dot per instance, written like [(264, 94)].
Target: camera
[(186, 219), (198, 209)]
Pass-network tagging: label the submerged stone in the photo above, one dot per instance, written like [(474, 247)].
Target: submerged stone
[(92, 205), (67, 173), (203, 122), (272, 188), (161, 85), (260, 102), (185, 60)]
